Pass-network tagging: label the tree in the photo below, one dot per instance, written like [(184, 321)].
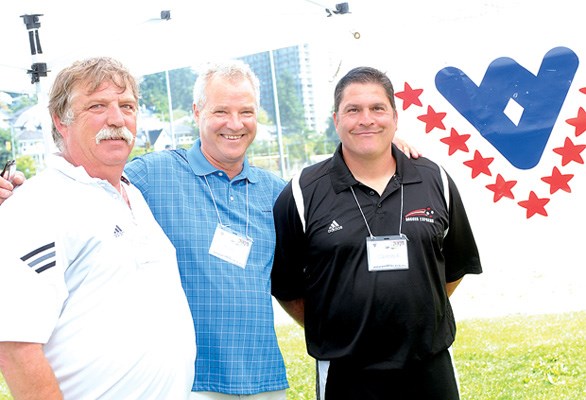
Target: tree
[(22, 101), (5, 147), (10, 104), (139, 151), (330, 132), (27, 165), (290, 105), (182, 81), (153, 89), (263, 117)]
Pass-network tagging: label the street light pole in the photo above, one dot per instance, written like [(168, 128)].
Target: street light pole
[(277, 115), (12, 149), (170, 102)]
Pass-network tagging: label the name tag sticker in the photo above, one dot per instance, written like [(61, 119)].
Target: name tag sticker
[(230, 246), (387, 253)]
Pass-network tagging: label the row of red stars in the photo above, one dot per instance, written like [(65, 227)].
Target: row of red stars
[(569, 152)]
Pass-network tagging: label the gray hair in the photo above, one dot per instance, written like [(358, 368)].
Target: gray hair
[(232, 70), (91, 72)]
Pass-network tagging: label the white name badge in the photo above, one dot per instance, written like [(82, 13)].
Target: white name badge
[(387, 253), (230, 246)]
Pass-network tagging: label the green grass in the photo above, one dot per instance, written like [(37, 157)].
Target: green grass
[(534, 358), (4, 393), (516, 357)]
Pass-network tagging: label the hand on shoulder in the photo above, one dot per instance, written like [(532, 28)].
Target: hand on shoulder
[(407, 149), (6, 187)]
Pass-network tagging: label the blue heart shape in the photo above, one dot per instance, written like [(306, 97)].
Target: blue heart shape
[(541, 96)]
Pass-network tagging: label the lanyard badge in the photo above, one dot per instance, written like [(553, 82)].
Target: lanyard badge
[(387, 253), (227, 244), (230, 246)]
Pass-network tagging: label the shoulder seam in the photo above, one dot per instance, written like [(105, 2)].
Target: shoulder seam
[(298, 198)]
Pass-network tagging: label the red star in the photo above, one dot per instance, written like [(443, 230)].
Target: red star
[(456, 142), (534, 205), (432, 119), (558, 181), (502, 188), (409, 96), (579, 122), (479, 164), (570, 152)]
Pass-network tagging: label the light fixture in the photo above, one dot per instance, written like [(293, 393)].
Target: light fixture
[(341, 8)]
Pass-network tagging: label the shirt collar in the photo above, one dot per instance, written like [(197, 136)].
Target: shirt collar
[(340, 175), (342, 178), (201, 166), (57, 162), (78, 173)]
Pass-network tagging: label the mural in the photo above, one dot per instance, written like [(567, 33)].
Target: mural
[(495, 92), (539, 99)]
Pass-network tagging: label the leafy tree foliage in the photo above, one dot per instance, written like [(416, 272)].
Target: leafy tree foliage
[(263, 117), (153, 89), (5, 147), (330, 132), (27, 165), (20, 102), (290, 105), (139, 151), (182, 81)]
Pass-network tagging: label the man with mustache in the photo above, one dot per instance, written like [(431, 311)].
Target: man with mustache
[(217, 211), (93, 306)]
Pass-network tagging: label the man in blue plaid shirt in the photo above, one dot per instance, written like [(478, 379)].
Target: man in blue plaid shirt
[(217, 211)]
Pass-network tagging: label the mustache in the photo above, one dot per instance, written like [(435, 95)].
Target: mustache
[(115, 133)]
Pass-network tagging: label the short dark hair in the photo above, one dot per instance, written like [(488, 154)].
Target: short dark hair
[(364, 75)]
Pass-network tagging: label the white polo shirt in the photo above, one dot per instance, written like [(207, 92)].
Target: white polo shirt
[(97, 283)]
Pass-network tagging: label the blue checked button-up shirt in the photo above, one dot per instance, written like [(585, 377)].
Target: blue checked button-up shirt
[(237, 349)]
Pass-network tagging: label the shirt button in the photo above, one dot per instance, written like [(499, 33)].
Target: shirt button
[(231, 198), (379, 205), (372, 193), (220, 174)]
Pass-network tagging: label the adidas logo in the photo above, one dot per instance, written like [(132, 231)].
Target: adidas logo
[(118, 231), (334, 226)]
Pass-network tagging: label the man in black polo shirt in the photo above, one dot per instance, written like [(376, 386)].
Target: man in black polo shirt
[(370, 245)]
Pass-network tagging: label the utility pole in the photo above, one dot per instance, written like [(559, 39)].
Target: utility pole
[(277, 116)]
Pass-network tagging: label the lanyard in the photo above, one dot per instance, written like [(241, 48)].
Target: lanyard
[(364, 217), (216, 206)]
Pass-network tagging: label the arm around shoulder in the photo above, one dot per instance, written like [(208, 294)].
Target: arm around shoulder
[(6, 187), (406, 148), (295, 308), (451, 286)]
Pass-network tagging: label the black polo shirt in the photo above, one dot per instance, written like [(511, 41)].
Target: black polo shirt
[(379, 319)]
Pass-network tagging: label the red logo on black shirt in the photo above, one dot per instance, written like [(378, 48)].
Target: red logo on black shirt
[(421, 214)]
